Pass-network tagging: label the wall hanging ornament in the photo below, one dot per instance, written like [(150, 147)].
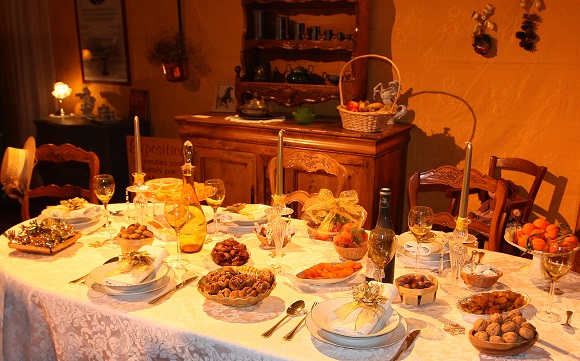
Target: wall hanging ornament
[(537, 3), (528, 37), (482, 42)]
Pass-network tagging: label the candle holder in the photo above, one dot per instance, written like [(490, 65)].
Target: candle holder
[(140, 201)]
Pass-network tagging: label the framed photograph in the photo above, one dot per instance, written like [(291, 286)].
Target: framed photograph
[(102, 38), (225, 99)]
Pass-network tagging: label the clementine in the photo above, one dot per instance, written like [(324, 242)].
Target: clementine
[(528, 228), (541, 223), (523, 240), (538, 244), (570, 242)]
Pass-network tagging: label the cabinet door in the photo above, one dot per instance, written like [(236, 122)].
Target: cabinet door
[(236, 169)]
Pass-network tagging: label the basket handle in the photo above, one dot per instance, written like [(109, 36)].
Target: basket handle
[(380, 57)]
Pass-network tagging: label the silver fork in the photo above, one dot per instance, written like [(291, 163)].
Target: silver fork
[(294, 331)]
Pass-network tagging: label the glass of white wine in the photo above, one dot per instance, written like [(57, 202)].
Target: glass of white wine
[(215, 192), (104, 188), (420, 224), (382, 245), (176, 212), (557, 261)]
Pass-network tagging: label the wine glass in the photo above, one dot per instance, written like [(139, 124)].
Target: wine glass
[(176, 212), (382, 246), (557, 261), (279, 227), (215, 192), (104, 188), (420, 224)]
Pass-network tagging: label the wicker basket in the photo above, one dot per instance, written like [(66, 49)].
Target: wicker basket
[(352, 253), (367, 122), (480, 281)]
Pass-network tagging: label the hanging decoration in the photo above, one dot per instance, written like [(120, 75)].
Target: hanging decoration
[(483, 42), (528, 37)]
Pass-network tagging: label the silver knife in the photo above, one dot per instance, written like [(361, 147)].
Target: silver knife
[(177, 287), (405, 345)]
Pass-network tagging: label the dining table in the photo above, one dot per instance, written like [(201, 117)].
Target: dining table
[(43, 317)]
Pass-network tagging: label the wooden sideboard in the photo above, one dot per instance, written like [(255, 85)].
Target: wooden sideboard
[(239, 153)]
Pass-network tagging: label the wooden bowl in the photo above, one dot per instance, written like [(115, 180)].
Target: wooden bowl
[(501, 349), (418, 296), (352, 253), (481, 281), (129, 245)]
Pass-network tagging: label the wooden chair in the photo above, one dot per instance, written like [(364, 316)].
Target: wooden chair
[(310, 162), (497, 165), (447, 179), (53, 155)]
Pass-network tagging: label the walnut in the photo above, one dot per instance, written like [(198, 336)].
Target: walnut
[(496, 318), (512, 314), (510, 337), (481, 335), (509, 326), (529, 325), (527, 332), (493, 329), (497, 339), (519, 320), (480, 324)]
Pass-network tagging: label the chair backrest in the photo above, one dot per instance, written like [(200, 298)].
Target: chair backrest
[(496, 165), (448, 178), (310, 162), (50, 153)]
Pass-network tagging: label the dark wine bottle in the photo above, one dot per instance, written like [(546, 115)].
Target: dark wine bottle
[(384, 222)]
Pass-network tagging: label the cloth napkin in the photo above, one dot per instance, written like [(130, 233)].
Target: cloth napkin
[(347, 325), (238, 119), (425, 249), (129, 279), (90, 211)]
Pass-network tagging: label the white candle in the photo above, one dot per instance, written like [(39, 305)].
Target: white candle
[(137, 146), (280, 169), (465, 189)]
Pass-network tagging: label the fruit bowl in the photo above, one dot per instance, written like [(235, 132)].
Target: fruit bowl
[(315, 233), (352, 253), (501, 349)]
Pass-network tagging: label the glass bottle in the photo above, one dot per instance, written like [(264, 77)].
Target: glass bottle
[(194, 231), (383, 228)]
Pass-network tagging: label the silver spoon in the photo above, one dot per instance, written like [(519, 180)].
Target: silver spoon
[(114, 259), (294, 310), (568, 317)]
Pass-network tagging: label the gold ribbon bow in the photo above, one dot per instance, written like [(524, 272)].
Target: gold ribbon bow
[(369, 297), (344, 207), (482, 20)]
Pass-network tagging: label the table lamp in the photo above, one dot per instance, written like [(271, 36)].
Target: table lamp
[(61, 91)]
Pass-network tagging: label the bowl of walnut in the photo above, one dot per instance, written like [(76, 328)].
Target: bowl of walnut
[(503, 335), (237, 286), (133, 237)]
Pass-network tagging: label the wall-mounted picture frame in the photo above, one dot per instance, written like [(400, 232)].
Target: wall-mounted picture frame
[(102, 37), (225, 99)]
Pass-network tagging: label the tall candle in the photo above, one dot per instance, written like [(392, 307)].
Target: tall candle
[(465, 189), (280, 168), (137, 146)]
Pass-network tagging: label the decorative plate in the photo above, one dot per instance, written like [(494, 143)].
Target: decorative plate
[(98, 276), (162, 283)]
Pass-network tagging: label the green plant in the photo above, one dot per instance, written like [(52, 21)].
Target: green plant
[(169, 48)]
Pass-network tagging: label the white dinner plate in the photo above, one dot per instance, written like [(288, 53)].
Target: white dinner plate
[(91, 215), (98, 275), (258, 216), (408, 237), (326, 281), (163, 282), (322, 315), (388, 339)]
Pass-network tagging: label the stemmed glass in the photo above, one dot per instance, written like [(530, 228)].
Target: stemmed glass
[(279, 227), (104, 188), (420, 224), (176, 212), (381, 247), (557, 261), (215, 192)]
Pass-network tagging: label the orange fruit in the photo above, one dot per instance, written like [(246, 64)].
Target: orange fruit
[(523, 240), (541, 223), (528, 228), (538, 244), (552, 227), (551, 234), (570, 242), (538, 233)]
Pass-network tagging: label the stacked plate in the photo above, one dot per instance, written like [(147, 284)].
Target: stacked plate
[(155, 281), (390, 329), (243, 223), (80, 218), (431, 260)]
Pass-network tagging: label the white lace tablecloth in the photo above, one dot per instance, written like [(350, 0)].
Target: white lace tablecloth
[(45, 318)]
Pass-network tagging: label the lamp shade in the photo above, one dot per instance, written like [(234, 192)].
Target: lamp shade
[(61, 90)]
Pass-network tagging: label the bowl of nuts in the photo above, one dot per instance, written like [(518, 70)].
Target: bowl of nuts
[(133, 237), (417, 289), (482, 276), (503, 335)]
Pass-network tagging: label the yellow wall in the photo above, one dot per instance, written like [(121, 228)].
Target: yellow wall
[(512, 104)]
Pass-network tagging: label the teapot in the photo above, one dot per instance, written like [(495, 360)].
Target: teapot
[(256, 107), (299, 74), (262, 73)]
